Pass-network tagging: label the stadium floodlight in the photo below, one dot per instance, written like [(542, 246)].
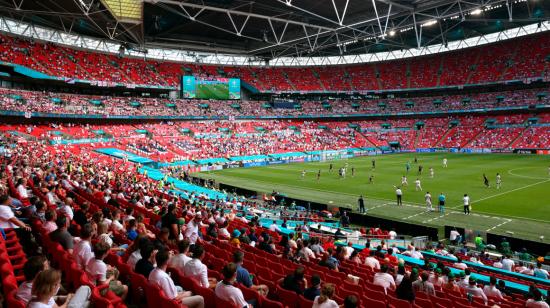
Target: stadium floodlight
[(392, 32), (429, 23), (476, 12)]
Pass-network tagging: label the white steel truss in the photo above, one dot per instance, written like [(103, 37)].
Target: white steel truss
[(75, 40)]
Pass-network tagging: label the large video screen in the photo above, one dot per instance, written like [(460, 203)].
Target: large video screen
[(210, 88)]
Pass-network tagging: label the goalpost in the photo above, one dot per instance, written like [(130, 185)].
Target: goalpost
[(329, 155)]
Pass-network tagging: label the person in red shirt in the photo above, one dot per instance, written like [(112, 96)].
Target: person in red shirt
[(391, 257)]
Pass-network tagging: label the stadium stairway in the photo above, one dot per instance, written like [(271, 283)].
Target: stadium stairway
[(443, 137), (518, 137)]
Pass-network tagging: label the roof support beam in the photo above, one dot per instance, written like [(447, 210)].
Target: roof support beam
[(235, 12)]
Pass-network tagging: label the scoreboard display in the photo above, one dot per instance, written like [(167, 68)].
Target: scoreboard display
[(210, 88)]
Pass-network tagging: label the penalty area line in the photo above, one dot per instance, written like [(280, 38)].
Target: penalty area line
[(499, 225)]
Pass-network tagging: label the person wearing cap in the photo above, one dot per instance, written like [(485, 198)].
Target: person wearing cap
[(464, 279), (436, 278), (473, 290), (451, 285), (235, 238)]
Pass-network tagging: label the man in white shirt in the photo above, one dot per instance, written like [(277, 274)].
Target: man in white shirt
[(159, 277), (371, 261), (225, 289), (455, 237), (459, 264), (178, 261), (498, 263), (423, 285), (67, 208), (466, 202), (195, 269), (428, 199), (491, 289), (348, 250), (273, 227), (22, 188), (475, 291), (7, 218), (384, 279), (418, 185), (508, 264), (82, 251)]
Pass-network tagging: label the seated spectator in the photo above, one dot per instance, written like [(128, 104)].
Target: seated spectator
[(324, 299), (234, 240), (540, 272), (61, 235), (391, 257), (7, 217), (295, 281), (371, 260), (45, 287), (51, 217), (464, 279), (355, 258), (131, 229), (328, 263), (459, 264), (315, 289), (225, 289), (31, 269), (315, 246), (145, 265), (405, 289), (222, 232), (178, 261), (80, 215), (520, 268), (82, 251), (348, 250), (101, 273), (244, 277), (383, 279), (451, 285), (475, 291), (537, 301), (159, 277), (195, 269), (401, 272), (274, 227), (423, 285), (491, 289), (135, 251), (351, 301), (163, 239), (436, 279)]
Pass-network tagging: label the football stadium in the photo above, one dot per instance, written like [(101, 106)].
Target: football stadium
[(274, 153)]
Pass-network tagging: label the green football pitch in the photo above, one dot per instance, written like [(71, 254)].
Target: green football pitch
[(217, 91), (521, 205)]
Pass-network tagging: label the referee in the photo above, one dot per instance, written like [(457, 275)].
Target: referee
[(399, 195)]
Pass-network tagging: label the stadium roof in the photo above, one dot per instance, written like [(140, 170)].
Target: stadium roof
[(275, 29)]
